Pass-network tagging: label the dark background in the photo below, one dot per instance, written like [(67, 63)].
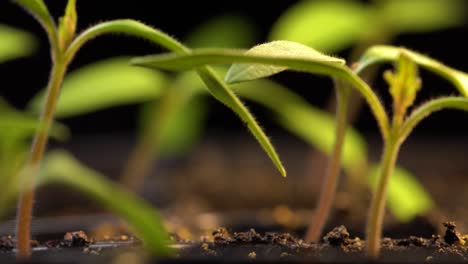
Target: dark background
[(22, 78)]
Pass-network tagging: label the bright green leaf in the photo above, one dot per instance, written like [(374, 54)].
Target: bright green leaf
[(423, 15), (407, 198), (284, 49), (103, 85), (60, 167), (327, 25), (227, 31), (302, 119), (381, 53), (15, 43)]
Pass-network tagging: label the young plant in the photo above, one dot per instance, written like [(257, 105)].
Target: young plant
[(64, 46), (358, 25), (271, 58)]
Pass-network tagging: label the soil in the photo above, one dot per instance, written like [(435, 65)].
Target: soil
[(336, 246)]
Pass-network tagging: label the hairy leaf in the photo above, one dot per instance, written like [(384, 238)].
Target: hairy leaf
[(327, 25), (285, 49), (423, 15), (312, 64), (60, 167), (380, 54), (407, 198), (15, 43), (103, 85), (226, 31)]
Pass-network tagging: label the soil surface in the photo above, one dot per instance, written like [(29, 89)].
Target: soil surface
[(336, 246)]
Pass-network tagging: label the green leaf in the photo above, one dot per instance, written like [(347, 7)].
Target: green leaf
[(15, 43), (226, 31), (39, 10), (103, 85), (302, 119), (216, 87), (381, 54), (60, 167), (325, 25), (255, 68), (286, 49), (423, 15), (407, 198), (223, 93)]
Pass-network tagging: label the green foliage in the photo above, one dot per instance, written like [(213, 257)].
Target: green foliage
[(284, 49), (60, 167), (380, 54), (250, 62), (325, 25), (406, 196), (212, 33), (39, 10), (102, 85), (333, 25), (15, 43)]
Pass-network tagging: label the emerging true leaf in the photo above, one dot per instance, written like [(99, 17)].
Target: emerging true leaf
[(380, 54), (404, 84), (325, 25), (67, 25), (103, 85), (15, 43)]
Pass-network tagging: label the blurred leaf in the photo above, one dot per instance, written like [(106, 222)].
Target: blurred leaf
[(287, 49), (381, 53), (184, 128), (180, 115), (407, 198), (227, 31), (329, 25), (423, 15), (312, 125), (60, 167), (20, 125), (103, 85), (15, 43)]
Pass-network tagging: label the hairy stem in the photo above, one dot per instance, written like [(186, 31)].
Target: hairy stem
[(328, 190), (33, 164), (377, 209)]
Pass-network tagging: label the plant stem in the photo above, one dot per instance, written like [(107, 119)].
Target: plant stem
[(26, 199), (377, 209), (328, 190)]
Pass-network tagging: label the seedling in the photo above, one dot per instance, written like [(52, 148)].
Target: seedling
[(358, 25), (64, 46), (271, 58)]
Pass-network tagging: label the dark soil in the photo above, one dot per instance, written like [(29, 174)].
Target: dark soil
[(336, 246)]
